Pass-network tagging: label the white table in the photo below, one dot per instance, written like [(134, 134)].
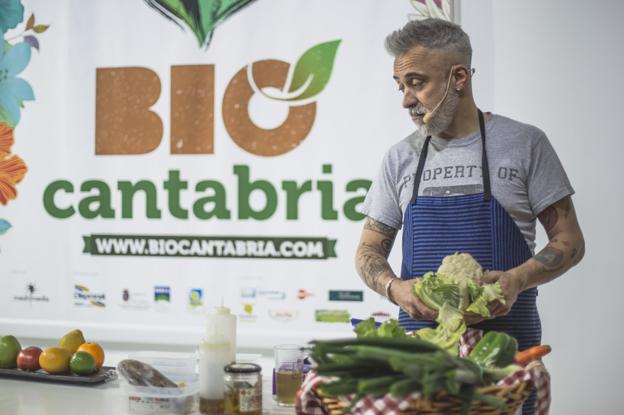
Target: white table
[(21, 397)]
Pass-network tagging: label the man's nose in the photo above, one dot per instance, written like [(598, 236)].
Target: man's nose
[(409, 100)]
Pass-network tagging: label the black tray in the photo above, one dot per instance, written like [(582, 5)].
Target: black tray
[(105, 373)]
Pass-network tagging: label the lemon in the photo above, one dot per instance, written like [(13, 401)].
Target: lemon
[(55, 360)]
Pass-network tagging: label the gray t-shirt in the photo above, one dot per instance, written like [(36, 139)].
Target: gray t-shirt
[(525, 173)]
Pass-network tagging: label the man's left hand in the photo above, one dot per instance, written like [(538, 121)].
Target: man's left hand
[(512, 287)]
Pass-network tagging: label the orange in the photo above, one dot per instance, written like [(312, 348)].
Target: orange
[(94, 350), (55, 360)]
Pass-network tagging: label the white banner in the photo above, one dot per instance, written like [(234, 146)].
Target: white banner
[(183, 152)]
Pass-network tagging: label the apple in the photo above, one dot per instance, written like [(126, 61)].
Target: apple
[(9, 349), (28, 358)]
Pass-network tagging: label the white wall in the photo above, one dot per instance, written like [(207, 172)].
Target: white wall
[(556, 64)]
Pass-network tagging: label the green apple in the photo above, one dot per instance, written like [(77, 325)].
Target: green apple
[(9, 349)]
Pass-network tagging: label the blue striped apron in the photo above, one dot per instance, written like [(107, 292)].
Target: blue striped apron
[(434, 227)]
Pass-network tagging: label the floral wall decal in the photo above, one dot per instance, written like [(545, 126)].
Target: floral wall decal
[(15, 55), (200, 16), (425, 9), (12, 167)]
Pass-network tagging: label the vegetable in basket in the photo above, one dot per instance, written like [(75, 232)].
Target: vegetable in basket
[(398, 366), (495, 352), (495, 349), (389, 328), (524, 357)]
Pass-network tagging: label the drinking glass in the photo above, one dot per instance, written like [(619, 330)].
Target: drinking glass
[(288, 372)]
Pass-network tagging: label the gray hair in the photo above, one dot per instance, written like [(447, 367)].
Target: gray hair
[(431, 34)]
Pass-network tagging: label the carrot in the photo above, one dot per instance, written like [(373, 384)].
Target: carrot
[(532, 353)]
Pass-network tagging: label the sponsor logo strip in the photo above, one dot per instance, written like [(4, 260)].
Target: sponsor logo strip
[(83, 297), (332, 316), (346, 296)]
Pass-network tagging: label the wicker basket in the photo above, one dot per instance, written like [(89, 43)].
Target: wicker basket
[(444, 404)]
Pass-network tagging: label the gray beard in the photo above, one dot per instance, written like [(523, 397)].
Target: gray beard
[(442, 117)]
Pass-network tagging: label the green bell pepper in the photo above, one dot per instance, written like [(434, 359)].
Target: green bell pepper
[(495, 349)]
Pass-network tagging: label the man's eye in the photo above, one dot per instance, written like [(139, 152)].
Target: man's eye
[(416, 82)]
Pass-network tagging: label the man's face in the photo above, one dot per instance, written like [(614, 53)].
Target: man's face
[(422, 76)]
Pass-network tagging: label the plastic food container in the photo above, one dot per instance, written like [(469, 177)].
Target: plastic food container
[(181, 369)]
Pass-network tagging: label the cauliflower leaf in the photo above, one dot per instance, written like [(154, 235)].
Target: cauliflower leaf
[(455, 288), (451, 326)]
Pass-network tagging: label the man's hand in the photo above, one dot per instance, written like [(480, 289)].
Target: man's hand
[(402, 292), (512, 287)]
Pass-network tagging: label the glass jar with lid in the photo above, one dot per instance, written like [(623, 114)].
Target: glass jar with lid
[(243, 389)]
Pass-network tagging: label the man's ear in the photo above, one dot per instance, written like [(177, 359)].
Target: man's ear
[(462, 76)]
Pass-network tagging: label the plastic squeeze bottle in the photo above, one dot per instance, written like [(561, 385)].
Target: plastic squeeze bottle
[(216, 350)]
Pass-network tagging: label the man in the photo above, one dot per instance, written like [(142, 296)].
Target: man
[(464, 181)]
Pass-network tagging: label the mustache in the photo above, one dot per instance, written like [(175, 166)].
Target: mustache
[(417, 110)]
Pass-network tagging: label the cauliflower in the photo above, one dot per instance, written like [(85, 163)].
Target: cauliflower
[(454, 289), (461, 266)]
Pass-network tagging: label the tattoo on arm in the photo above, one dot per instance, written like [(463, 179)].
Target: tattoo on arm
[(372, 258), (390, 232), (549, 218), (371, 264), (386, 245), (566, 207), (552, 213), (550, 257), (373, 225)]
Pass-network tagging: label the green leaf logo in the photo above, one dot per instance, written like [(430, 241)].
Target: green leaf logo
[(4, 226), (201, 16), (311, 73)]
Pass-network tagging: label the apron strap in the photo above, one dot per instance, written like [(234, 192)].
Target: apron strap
[(487, 191), (421, 166)]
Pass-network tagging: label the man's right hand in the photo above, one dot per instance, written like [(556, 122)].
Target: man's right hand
[(402, 292)]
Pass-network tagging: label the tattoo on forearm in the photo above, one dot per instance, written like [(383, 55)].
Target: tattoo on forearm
[(386, 245), (566, 207), (373, 225), (551, 214), (371, 264), (549, 218), (550, 257), (372, 257)]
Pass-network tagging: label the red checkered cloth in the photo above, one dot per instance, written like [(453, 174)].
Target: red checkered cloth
[(470, 338), (541, 381), (309, 403)]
